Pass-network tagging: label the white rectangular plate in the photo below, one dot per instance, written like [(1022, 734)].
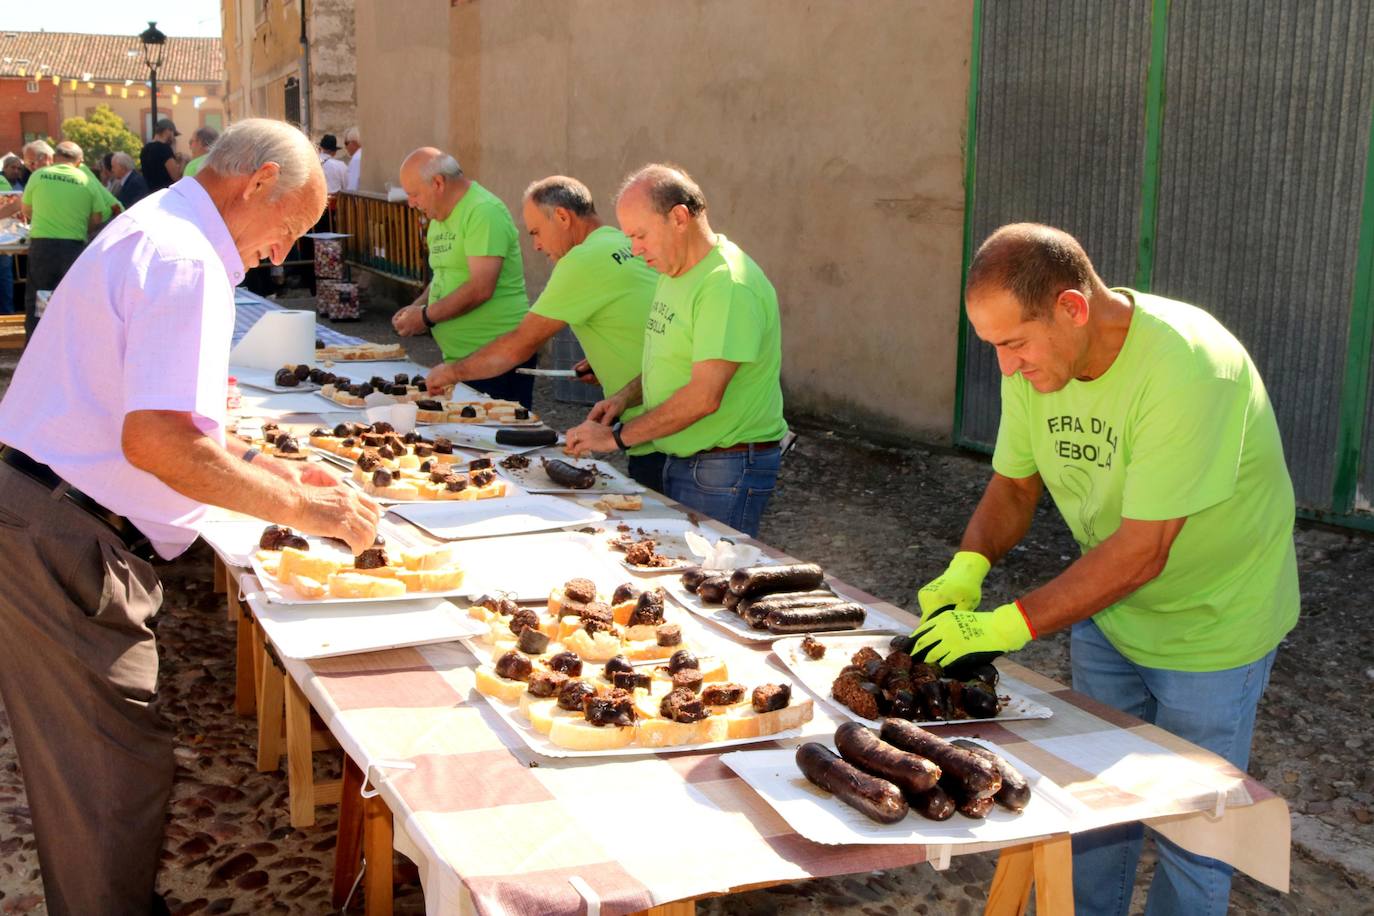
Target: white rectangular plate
[(527, 567), (822, 818), (235, 541), (820, 673), (668, 535), (535, 480), (511, 491), (876, 621), (301, 632), (262, 379), (284, 594), (517, 514)]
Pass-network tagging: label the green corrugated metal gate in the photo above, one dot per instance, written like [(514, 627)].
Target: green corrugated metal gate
[(1215, 151)]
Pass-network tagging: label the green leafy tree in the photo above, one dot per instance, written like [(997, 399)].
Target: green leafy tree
[(103, 132)]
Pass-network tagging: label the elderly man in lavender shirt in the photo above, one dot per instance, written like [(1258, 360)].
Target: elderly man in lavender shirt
[(114, 444)]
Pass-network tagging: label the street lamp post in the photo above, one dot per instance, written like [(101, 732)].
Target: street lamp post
[(153, 42)]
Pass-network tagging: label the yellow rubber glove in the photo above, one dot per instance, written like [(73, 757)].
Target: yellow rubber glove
[(954, 635), (960, 585)]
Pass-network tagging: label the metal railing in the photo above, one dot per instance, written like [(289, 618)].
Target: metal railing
[(385, 237)]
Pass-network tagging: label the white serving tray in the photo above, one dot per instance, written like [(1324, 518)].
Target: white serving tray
[(819, 674), (284, 594), (875, 621), (511, 491), (478, 437), (309, 632), (741, 670), (822, 818), (235, 541), (262, 379), (535, 480), (521, 513), (668, 533)]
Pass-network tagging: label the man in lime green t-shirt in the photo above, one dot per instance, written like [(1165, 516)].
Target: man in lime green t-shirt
[(598, 288), (710, 377), (202, 139), (1151, 428), (71, 153), (62, 208), (478, 289)]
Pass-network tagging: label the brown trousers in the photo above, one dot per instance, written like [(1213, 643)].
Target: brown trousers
[(78, 669)]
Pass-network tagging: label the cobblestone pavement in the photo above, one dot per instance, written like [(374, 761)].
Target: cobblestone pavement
[(885, 519)]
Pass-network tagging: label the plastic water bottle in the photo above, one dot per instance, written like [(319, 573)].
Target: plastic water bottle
[(234, 399)]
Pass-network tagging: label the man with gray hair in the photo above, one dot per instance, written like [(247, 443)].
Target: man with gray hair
[(110, 207), (132, 187), (114, 432), (709, 381), (200, 143), (597, 287), (478, 290), (353, 142), (62, 206)]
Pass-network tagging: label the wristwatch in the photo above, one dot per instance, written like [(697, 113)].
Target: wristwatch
[(252, 453), (615, 434), (424, 314)]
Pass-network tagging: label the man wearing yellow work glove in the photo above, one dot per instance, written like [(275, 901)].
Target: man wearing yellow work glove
[(960, 586), (949, 637)]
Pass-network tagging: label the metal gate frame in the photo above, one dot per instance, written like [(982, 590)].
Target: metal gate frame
[(1355, 386)]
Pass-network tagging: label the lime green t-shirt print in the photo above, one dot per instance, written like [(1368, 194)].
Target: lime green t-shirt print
[(722, 308), (1179, 426)]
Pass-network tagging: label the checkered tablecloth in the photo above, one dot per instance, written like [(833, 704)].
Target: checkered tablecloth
[(496, 829), (249, 307)]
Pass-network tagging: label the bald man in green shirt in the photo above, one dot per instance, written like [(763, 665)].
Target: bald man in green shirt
[(710, 377), (62, 207)]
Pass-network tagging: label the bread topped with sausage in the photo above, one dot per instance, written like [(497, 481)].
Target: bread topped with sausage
[(320, 574)]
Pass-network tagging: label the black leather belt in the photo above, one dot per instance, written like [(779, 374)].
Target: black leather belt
[(136, 541)]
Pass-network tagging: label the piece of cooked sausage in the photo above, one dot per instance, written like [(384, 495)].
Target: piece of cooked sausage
[(909, 772), (872, 796), (978, 778), (934, 804), (1015, 792), (755, 609), (572, 476), (731, 600), (977, 808), (758, 580), (693, 577), (526, 437), (712, 590), (846, 616)]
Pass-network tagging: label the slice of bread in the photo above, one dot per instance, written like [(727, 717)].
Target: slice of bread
[(356, 585), (312, 565), (744, 722), (599, 648), (430, 580), (308, 587), (661, 732), (580, 735), (491, 684), (428, 558)]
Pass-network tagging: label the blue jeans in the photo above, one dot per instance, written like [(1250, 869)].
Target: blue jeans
[(6, 284), (647, 469), (732, 487), (1212, 709)]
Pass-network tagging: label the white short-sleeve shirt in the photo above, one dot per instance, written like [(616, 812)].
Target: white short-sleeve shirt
[(355, 171), (142, 321)]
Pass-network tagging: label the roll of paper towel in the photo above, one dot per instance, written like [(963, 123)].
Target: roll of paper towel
[(279, 337)]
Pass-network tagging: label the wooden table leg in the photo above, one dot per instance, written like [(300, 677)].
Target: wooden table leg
[(676, 908), (221, 576), (377, 845), (245, 676), (1054, 876), (300, 764), (1011, 883), (271, 706), (348, 849), (1048, 864)]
